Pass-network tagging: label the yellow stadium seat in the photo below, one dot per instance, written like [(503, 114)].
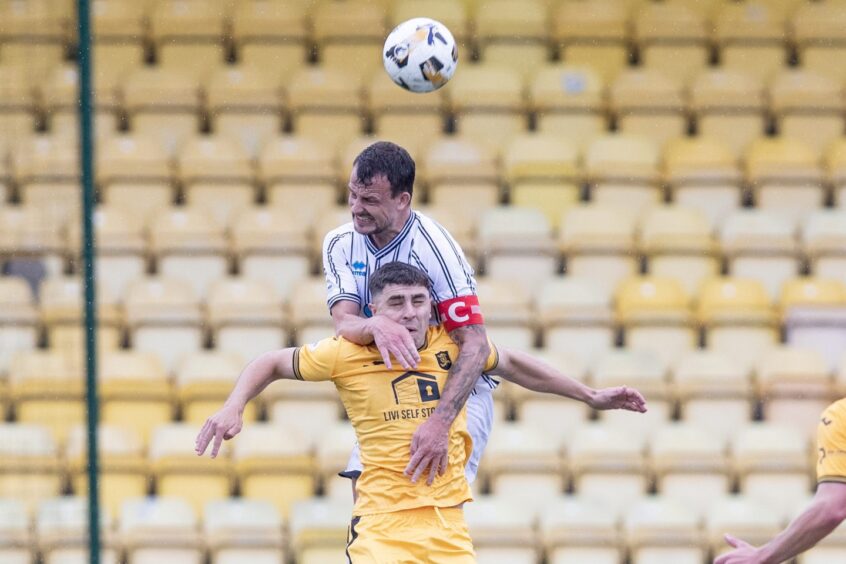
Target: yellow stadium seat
[(60, 97), (703, 174), (502, 531), (163, 104), (706, 382), (813, 311), (349, 35), (607, 464), (134, 173), (29, 234), (188, 35), (274, 464), (18, 319), (785, 177), (513, 33), (598, 243), (118, 37), (760, 244), (593, 34), (576, 317), (204, 380), (124, 471), (542, 171), (62, 528), (310, 316), (121, 249), (160, 529), (239, 530), (135, 392), (743, 516), (488, 104), (506, 307), (318, 530), (623, 170), (16, 536), (271, 35), (728, 105), (678, 243), (574, 528), (35, 34), (751, 37), (452, 14), (655, 314), (48, 175), (690, 465), (649, 103), (62, 315), (462, 173), (326, 103), (17, 103), (30, 468), (673, 38), (805, 106), (5, 170), (738, 318), (835, 164), (329, 219), (333, 450), (769, 457), (818, 29), (310, 410), (823, 236), (517, 245), (662, 531), (569, 100)]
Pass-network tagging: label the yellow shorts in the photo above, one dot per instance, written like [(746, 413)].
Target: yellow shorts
[(425, 534)]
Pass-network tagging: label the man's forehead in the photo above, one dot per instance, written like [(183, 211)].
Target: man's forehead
[(377, 184), (404, 290)]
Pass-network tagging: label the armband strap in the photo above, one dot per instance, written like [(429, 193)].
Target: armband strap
[(460, 312)]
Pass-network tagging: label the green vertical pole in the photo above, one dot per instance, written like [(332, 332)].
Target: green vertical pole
[(86, 146)]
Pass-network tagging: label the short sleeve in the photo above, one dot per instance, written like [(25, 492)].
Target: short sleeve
[(316, 362), (340, 280), (831, 447), (493, 358)]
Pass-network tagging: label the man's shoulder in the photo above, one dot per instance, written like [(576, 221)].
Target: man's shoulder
[(340, 232)]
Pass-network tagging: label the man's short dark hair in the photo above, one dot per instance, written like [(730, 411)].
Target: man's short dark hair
[(388, 159), (397, 273)]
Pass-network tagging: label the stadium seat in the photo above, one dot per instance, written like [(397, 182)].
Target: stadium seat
[(118, 37), (217, 176), (271, 35), (649, 103), (655, 315), (134, 174), (598, 243), (5, 169), (48, 176), (15, 532), (33, 239), (706, 382), (623, 171), (135, 392), (728, 105), (30, 468), (204, 380), (813, 310), (607, 464), (349, 35), (689, 464), (678, 243), (770, 457), (576, 317), (569, 101), (62, 528), (542, 171), (575, 528), (163, 104), (672, 38), (593, 35), (702, 174), (318, 529), (745, 517), (63, 317), (751, 38), (805, 106), (506, 306), (333, 451), (17, 103), (33, 34), (310, 316), (760, 244), (823, 236), (18, 319), (241, 530), (517, 245), (835, 165), (59, 95), (124, 471), (160, 529), (818, 29), (513, 33), (163, 317), (454, 15), (662, 531), (188, 36), (503, 531), (463, 174)]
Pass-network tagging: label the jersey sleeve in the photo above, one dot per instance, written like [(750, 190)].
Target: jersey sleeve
[(831, 447), (340, 281), (316, 362)]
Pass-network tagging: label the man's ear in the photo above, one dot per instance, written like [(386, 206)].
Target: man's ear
[(405, 198)]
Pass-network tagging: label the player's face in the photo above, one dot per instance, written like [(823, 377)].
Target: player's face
[(410, 306), (375, 212)]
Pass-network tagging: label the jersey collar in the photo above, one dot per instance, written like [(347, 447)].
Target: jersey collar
[(397, 241)]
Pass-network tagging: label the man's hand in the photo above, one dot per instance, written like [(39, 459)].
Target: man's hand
[(391, 338), (621, 397), (221, 426), (743, 553), (429, 449)]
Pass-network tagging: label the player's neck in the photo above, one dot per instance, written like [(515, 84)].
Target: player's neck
[(384, 238)]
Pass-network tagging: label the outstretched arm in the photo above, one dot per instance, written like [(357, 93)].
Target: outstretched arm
[(533, 374), (390, 337), (227, 422), (826, 512)]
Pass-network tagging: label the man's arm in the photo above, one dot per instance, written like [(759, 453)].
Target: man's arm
[(826, 512), (227, 422), (390, 338)]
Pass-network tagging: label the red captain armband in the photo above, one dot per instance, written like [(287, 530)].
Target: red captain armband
[(460, 312)]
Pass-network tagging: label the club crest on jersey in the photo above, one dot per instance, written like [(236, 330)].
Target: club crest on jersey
[(359, 268), (415, 387), (444, 361)]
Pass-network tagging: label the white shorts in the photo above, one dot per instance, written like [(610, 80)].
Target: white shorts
[(479, 423)]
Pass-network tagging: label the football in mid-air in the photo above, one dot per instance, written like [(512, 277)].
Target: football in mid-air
[(420, 55)]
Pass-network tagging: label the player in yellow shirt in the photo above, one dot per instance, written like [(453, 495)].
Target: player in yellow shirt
[(396, 519), (825, 512)]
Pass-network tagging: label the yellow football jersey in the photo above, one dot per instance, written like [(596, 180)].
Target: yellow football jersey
[(385, 408), (831, 443)]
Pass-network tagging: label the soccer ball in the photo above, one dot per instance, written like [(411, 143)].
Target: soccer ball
[(420, 55)]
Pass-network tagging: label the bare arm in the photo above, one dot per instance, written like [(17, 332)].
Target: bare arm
[(390, 337), (826, 512)]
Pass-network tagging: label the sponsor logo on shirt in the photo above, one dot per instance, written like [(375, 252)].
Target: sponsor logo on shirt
[(359, 268)]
